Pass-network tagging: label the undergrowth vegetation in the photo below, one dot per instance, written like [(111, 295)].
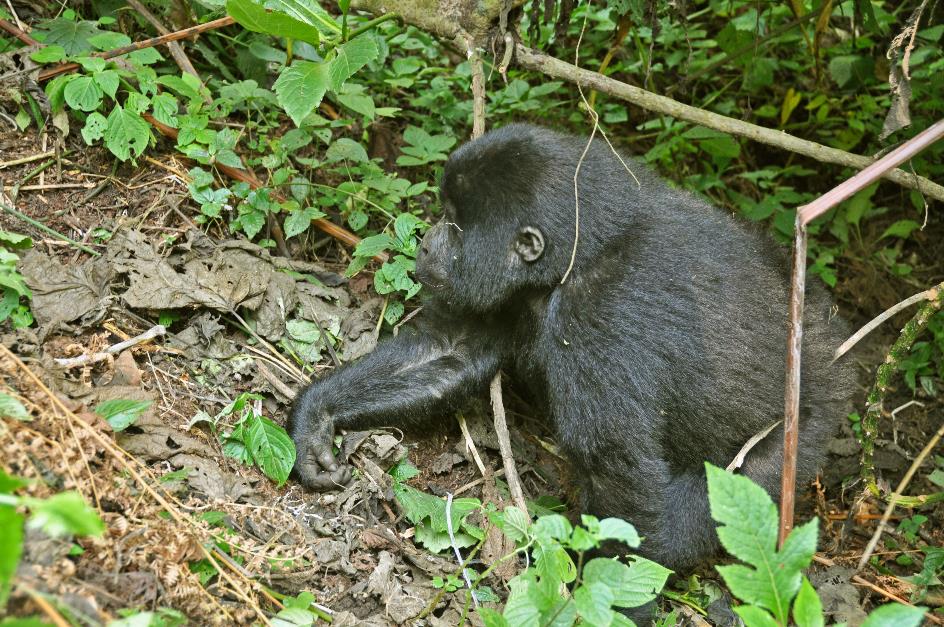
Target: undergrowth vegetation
[(306, 117)]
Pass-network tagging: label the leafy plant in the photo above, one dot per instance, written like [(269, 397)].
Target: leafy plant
[(14, 290), (253, 438), (59, 515), (771, 582), (121, 413)]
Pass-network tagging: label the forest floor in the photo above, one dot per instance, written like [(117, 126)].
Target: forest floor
[(219, 540)]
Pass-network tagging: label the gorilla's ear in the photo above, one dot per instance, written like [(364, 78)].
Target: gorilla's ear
[(529, 243)]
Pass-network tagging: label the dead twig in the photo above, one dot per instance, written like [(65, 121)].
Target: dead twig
[(885, 315), (176, 50), (91, 358), (504, 444), (29, 159), (738, 460)]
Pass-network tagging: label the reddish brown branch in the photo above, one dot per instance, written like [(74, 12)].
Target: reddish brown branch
[(140, 45), (247, 176), (16, 32)]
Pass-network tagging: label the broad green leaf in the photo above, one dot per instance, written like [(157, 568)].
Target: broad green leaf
[(346, 149), (11, 530), (65, 513), (13, 408), (754, 616), (491, 618), (95, 126), (896, 615), (72, 36), (746, 513), (271, 448), (11, 240), (297, 222), (49, 54), (84, 94), (902, 228), (253, 16), (554, 527), (350, 57), (516, 523), (593, 602), (164, 106), (403, 470), (128, 134), (373, 245), (617, 529), (121, 413), (807, 608), (307, 11), (108, 81), (300, 88)]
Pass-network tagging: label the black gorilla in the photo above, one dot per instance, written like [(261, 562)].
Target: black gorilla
[(664, 348)]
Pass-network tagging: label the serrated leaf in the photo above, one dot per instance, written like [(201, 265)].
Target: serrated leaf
[(807, 608), (346, 149), (49, 54), (108, 81), (83, 94), (164, 106), (13, 408), (300, 88), (373, 245), (617, 529), (95, 127), (593, 603), (271, 448), (254, 17), (350, 57), (307, 11), (127, 134), (754, 616), (121, 413), (516, 523)]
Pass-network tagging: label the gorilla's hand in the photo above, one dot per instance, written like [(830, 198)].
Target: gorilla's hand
[(316, 466)]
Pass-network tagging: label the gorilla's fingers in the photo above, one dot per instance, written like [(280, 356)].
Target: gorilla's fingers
[(329, 480), (326, 457)]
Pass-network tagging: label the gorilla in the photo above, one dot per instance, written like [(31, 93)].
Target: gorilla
[(663, 348)]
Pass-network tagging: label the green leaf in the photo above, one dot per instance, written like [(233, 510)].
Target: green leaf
[(307, 11), (491, 618), (73, 36), (617, 529), (297, 221), (95, 127), (49, 54), (13, 408), (807, 608), (895, 615), (345, 149), (553, 527), (373, 245), (271, 448), (516, 523), (108, 81), (11, 530), (121, 413), (84, 94), (749, 532), (403, 470), (65, 513), (300, 88), (593, 602), (902, 228), (254, 17), (164, 106), (350, 57), (754, 616), (127, 133)]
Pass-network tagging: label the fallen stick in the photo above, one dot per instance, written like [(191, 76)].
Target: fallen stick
[(92, 358)]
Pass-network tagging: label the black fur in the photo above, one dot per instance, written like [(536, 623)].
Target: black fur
[(664, 348)]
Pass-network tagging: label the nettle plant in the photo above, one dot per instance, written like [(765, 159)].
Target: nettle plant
[(558, 587)]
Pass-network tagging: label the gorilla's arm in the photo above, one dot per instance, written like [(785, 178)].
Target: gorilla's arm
[(408, 380)]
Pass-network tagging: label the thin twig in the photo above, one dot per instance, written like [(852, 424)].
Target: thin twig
[(176, 50), (42, 227), (92, 358), (882, 317), (504, 444), (893, 500), (470, 444), (29, 159), (738, 460)]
